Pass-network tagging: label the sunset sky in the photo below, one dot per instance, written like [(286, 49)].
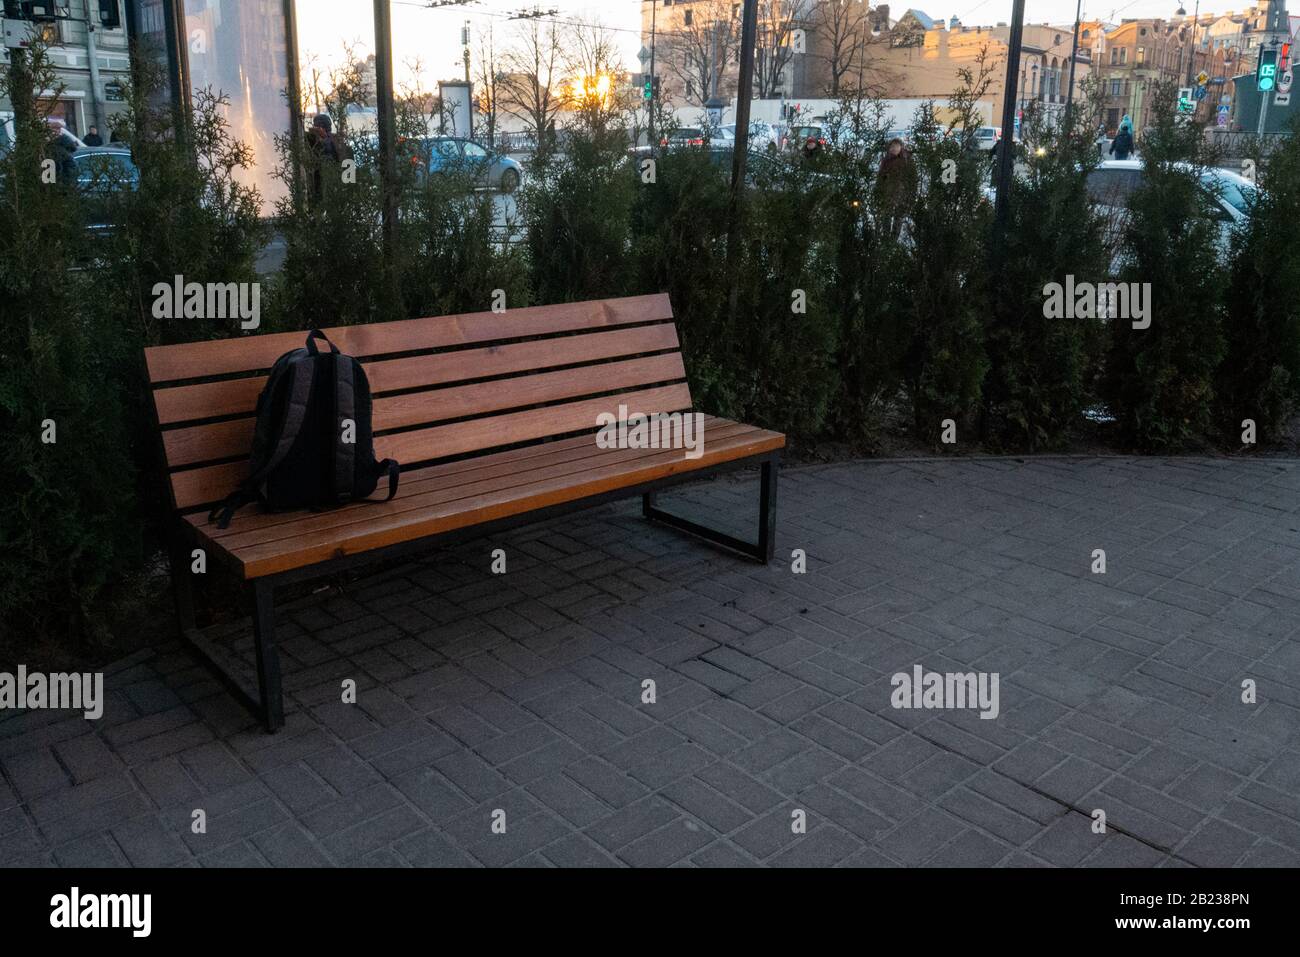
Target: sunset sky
[(432, 36)]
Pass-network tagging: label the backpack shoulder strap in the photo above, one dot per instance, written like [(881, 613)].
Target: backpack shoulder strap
[(303, 374), (345, 408)]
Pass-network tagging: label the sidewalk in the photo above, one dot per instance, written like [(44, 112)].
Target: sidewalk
[(523, 693)]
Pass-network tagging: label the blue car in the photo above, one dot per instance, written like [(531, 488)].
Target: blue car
[(453, 154)]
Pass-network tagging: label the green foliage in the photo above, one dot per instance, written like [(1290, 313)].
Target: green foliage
[(864, 267), (62, 536), (1260, 375), (1160, 380), (577, 209), (1040, 367), (945, 361), (678, 227)]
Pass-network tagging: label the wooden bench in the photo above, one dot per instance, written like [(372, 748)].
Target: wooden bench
[(493, 417)]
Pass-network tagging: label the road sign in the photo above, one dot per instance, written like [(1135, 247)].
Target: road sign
[(1281, 99), (1200, 93), (1202, 78), (1284, 82), (1221, 119)]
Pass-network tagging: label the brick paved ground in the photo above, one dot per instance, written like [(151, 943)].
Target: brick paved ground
[(523, 692)]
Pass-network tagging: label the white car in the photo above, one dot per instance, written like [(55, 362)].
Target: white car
[(760, 134), (1229, 195)]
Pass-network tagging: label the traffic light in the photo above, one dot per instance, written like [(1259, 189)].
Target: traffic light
[(647, 89), (1266, 73), (109, 16)]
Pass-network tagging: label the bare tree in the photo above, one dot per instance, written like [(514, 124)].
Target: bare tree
[(529, 86), (777, 22), (698, 50), (489, 91), (844, 30)]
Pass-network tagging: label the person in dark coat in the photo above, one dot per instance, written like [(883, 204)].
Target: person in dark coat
[(1122, 145), (93, 138), (896, 183)]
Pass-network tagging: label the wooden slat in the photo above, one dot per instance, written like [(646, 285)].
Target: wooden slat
[(225, 356), (208, 443), (193, 487), (186, 403), (383, 529), (431, 487), (479, 434)]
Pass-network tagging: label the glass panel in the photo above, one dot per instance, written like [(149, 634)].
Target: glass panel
[(238, 47)]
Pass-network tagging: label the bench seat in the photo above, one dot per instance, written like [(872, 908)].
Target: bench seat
[(467, 492)]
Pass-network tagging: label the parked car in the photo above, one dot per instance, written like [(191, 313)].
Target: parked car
[(1228, 196), (454, 154), (683, 136), (797, 137), (986, 137), (101, 173), (761, 134)]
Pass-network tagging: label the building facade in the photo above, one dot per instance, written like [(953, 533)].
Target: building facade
[(90, 53)]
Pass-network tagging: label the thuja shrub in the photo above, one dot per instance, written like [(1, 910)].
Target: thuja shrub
[(456, 256), (330, 218), (679, 231), (66, 470), (186, 217), (1042, 358), (576, 208), (1166, 347), (187, 214), (941, 284), (1259, 380), (863, 264), (783, 334)]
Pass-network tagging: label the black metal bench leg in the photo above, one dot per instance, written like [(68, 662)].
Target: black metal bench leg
[(767, 510), (182, 585), (268, 658), (761, 552)]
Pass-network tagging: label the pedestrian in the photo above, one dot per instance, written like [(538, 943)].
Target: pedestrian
[(896, 183), (1123, 144), (93, 138)]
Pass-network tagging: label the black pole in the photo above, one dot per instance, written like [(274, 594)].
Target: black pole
[(1007, 152), (387, 126), (294, 94), (654, 9), (1074, 55), (740, 153), (178, 66)]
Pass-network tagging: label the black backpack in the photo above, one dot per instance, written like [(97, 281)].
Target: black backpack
[(300, 458)]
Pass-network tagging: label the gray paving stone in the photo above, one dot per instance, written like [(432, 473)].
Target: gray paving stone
[(773, 691)]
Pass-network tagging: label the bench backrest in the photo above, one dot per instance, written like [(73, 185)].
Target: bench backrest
[(443, 387)]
